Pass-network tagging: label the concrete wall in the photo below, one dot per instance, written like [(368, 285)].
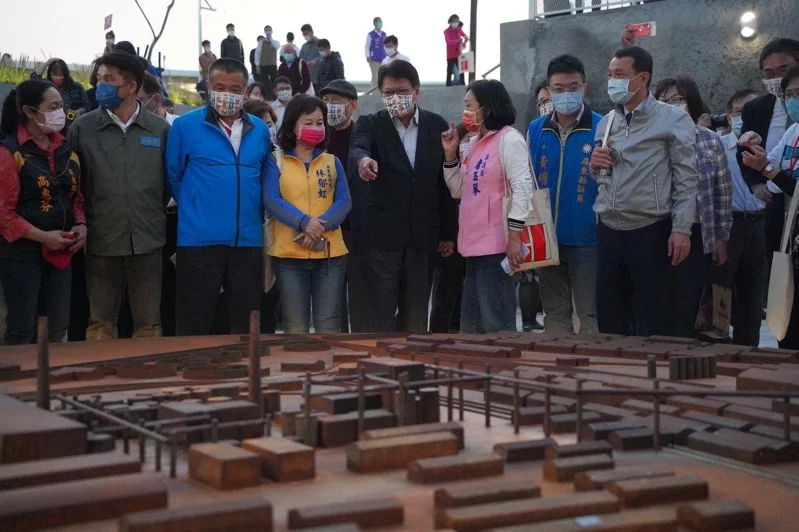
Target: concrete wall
[(700, 37)]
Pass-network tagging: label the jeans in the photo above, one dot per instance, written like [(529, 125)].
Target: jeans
[(202, 272), (33, 289), (635, 281), (574, 279), (694, 273), (489, 296), (307, 284), (745, 271), (106, 280), (454, 76)]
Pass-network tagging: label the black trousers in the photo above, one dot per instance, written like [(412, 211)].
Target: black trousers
[(398, 285), (635, 280), (355, 296), (451, 63), (268, 76), (746, 273), (201, 272), (447, 289), (529, 298), (694, 273)]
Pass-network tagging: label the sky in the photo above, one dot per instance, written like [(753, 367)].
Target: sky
[(74, 30)]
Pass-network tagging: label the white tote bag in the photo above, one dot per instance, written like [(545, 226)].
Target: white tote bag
[(780, 290)]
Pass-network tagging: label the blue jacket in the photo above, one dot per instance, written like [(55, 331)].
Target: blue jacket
[(218, 192), (564, 169)]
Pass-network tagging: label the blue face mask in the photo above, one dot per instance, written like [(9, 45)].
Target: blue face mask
[(288, 58), (568, 102), (618, 90), (108, 96), (737, 125), (792, 106)]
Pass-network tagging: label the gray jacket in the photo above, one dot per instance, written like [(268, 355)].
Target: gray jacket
[(655, 171)]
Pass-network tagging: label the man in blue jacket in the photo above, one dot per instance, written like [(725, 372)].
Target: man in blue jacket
[(560, 147), (217, 159)]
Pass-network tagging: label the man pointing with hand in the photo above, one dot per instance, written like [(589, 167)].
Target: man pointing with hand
[(646, 201), (407, 210)]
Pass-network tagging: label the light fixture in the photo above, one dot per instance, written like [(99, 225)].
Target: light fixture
[(748, 25)]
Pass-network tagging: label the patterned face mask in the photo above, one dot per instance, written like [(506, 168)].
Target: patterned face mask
[(336, 114), (773, 86), (226, 103), (399, 105)]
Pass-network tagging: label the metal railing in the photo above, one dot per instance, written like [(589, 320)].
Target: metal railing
[(551, 8), (492, 69)]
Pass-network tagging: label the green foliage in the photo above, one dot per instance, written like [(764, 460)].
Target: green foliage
[(181, 96)]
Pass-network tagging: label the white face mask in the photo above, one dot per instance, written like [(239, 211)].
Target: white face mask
[(454, 25), (206, 49), (226, 103), (399, 105), (231, 33), (54, 121), (545, 109), (773, 86), (308, 37), (284, 95), (390, 50), (336, 114)]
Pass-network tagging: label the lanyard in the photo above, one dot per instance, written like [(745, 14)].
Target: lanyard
[(794, 160)]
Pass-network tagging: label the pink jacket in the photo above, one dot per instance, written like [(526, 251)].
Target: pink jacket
[(453, 38)]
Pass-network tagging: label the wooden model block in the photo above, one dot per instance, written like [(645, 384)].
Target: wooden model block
[(485, 491), (564, 469), (766, 379), (99, 442), (773, 432), (457, 467), (524, 450), (638, 439), (345, 402), (601, 431), (489, 351), (28, 433), (660, 490), (526, 511), (597, 480), (366, 514), (646, 520), (758, 416), (534, 415), (609, 413), (341, 429), (578, 449), (565, 423), (300, 367), (81, 501), (645, 407), (719, 422), (340, 357), (786, 451), (393, 367), (539, 399), (283, 460), (385, 454), (346, 527), (716, 515), (427, 428), (680, 427), (236, 515), (224, 466), (26, 474), (734, 448), (429, 406)]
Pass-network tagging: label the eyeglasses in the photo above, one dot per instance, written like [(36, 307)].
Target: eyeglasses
[(790, 95), (675, 100), (542, 103), (562, 90), (401, 92)]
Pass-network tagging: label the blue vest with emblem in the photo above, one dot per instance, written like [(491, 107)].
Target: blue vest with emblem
[(564, 168)]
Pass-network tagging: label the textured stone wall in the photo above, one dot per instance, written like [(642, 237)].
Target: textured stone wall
[(700, 37)]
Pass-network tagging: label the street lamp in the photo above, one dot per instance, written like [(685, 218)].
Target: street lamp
[(748, 25)]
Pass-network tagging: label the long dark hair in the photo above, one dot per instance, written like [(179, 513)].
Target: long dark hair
[(60, 64), (30, 93), (301, 104), (688, 89), (493, 97)]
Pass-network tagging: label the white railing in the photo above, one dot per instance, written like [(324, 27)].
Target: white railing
[(547, 8)]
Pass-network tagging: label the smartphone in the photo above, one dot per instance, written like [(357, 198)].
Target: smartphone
[(644, 29)]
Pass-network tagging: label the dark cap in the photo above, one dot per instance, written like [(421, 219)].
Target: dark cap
[(340, 87)]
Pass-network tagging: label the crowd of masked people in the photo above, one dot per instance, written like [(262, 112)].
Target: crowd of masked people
[(125, 220)]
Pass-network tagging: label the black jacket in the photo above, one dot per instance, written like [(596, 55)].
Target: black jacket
[(756, 117), (232, 48), (404, 205), (330, 68)]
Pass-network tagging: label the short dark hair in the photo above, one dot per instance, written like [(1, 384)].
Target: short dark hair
[(151, 85), (228, 66), (127, 64), (282, 79), (256, 85), (31, 93), (453, 18), (688, 88), (110, 34), (206, 41), (391, 39), (374, 20), (789, 76), (743, 93), (231, 25), (259, 108), (565, 64), (541, 86), (125, 46), (290, 36), (493, 97), (267, 26), (642, 60), (398, 70), (306, 27), (168, 103), (780, 46), (323, 43), (301, 104)]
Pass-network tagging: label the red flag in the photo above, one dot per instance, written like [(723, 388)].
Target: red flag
[(107, 25)]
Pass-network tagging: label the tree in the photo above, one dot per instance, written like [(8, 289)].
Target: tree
[(157, 36)]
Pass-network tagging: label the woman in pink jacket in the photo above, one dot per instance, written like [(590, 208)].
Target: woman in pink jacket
[(455, 38), (494, 167)]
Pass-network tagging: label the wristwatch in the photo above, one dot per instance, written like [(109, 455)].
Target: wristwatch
[(768, 169)]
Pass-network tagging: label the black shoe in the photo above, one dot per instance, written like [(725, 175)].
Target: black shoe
[(527, 327), (537, 326)]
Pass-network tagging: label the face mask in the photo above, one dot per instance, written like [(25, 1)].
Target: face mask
[(618, 90), (311, 135), (268, 34), (323, 54), (737, 125), (545, 109), (336, 114), (284, 95), (57, 80), (792, 106), (390, 50), (108, 96), (54, 121), (289, 58), (206, 49), (399, 105), (470, 120), (379, 26), (454, 25), (231, 34), (568, 102), (773, 86), (308, 37), (151, 108), (226, 103)]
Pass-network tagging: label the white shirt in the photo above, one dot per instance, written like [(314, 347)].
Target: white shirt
[(776, 130), (233, 133), (275, 45), (124, 125), (515, 159), (742, 198), (170, 118), (408, 135), (781, 155), (280, 110), (391, 59)]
